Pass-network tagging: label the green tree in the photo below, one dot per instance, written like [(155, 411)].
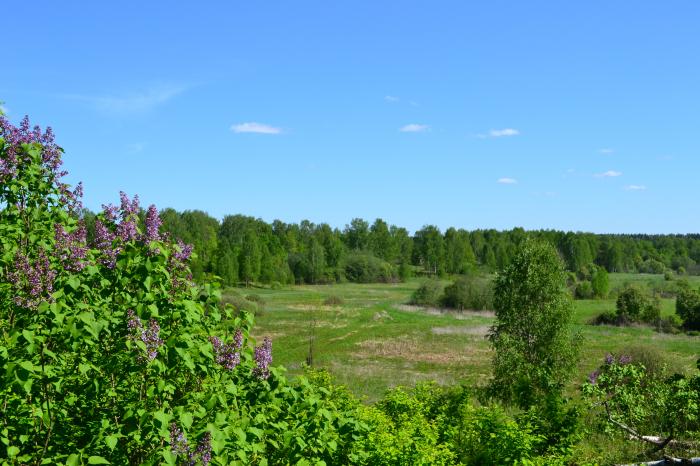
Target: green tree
[(430, 249), (600, 283), (357, 234), (688, 308), (458, 251), (535, 349)]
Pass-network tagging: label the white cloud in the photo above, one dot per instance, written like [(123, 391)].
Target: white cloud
[(499, 133), (391, 98), (608, 174), (135, 102), (253, 127), (635, 187), (606, 150), (414, 128), (507, 180)]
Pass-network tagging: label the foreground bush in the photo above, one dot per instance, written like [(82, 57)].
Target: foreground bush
[(109, 352)]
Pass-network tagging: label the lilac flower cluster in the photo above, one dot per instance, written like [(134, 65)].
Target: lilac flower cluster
[(104, 242), (71, 248), (16, 157), (148, 335), (184, 252), (153, 223), (263, 358), (608, 361), (228, 355), (178, 264), (126, 229), (179, 446), (33, 282)]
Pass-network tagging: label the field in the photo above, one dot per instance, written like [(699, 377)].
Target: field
[(374, 340)]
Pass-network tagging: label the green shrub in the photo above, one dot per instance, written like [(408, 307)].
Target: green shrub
[(635, 306), (468, 292), (428, 293), (361, 267), (688, 308), (584, 290), (600, 283)]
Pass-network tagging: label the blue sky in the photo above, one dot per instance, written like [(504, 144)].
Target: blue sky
[(567, 115)]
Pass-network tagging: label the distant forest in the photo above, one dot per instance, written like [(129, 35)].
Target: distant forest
[(242, 249)]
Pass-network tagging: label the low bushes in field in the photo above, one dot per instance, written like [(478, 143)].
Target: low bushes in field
[(468, 292), (360, 267), (428, 293)]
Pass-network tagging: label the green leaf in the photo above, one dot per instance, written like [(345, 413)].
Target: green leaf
[(12, 451), (73, 460), (186, 419), (111, 441), (97, 460)]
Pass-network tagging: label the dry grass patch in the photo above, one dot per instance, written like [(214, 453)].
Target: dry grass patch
[(412, 350), (479, 330)]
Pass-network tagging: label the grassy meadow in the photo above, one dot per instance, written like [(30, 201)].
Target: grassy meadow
[(374, 340)]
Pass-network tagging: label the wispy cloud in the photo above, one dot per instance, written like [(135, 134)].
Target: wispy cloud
[(414, 128), (606, 150), (635, 187), (507, 180), (499, 133), (391, 99), (130, 103), (608, 174), (253, 127)]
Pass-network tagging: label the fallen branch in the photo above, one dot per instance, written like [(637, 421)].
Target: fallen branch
[(668, 460)]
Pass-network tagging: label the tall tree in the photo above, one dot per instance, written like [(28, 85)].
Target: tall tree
[(535, 349)]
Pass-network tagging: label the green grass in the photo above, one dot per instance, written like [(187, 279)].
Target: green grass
[(374, 341)]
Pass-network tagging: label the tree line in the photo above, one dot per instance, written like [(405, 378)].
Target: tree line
[(244, 249)]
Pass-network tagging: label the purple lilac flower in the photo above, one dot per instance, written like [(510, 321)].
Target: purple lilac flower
[(625, 359), (153, 223), (228, 356), (104, 241), (203, 451), (33, 282), (263, 358), (148, 335), (178, 442), (184, 252), (593, 376), (179, 446), (71, 248), (609, 359), (16, 157), (126, 229)]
